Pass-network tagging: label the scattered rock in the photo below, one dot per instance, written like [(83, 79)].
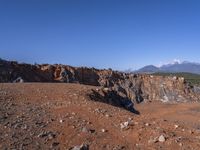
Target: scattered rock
[(34, 125), (124, 125), (103, 130), (176, 126), (81, 147), (161, 138), (106, 89), (191, 132), (180, 144), (61, 121), (107, 115)]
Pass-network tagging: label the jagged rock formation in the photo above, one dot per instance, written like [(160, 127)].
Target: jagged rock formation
[(136, 88)]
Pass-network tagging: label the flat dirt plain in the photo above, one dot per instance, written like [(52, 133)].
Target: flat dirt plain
[(62, 116)]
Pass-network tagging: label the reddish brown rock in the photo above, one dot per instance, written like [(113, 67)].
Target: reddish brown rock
[(136, 88)]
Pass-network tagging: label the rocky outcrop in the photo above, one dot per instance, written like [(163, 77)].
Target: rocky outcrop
[(137, 88)]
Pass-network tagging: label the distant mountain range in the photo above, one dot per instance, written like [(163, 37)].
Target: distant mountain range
[(189, 67)]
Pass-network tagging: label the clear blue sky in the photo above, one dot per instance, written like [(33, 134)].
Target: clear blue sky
[(120, 34)]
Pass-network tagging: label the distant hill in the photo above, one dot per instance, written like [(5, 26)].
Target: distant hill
[(177, 67), (148, 69)]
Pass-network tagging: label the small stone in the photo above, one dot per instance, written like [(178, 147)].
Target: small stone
[(191, 132), (103, 130), (161, 138), (82, 147), (124, 125), (106, 89), (107, 115), (176, 126), (89, 122), (61, 121)]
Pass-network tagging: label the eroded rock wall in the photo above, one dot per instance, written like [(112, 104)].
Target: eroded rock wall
[(137, 88)]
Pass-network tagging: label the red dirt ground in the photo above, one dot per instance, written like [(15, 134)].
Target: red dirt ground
[(61, 116)]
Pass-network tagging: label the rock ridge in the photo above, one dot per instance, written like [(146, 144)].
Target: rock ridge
[(137, 88)]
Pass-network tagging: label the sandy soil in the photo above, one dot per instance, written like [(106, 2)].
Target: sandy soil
[(61, 116)]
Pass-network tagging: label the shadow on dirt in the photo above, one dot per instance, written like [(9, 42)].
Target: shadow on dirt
[(114, 99)]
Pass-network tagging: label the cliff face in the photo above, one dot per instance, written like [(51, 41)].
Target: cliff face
[(136, 88)]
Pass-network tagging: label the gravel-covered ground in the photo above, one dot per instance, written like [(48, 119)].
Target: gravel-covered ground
[(62, 116)]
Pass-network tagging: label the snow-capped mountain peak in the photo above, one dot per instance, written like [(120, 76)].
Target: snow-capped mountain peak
[(174, 66)]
